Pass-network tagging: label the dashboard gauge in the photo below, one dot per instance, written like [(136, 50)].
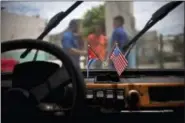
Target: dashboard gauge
[(100, 94), (120, 95), (109, 94), (89, 94)]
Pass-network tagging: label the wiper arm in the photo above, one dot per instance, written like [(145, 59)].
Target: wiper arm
[(157, 16), (54, 21)]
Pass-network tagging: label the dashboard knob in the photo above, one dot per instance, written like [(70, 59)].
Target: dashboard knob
[(133, 99)]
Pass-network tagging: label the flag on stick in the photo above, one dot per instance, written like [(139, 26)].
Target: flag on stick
[(119, 60), (92, 57)]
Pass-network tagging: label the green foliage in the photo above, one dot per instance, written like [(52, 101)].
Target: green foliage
[(92, 17)]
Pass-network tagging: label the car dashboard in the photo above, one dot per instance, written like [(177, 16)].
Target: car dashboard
[(155, 94), (154, 91), (140, 93)]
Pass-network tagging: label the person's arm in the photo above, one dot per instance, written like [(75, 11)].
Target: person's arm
[(67, 44), (77, 51)]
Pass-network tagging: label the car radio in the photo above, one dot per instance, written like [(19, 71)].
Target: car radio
[(108, 98), (137, 93)]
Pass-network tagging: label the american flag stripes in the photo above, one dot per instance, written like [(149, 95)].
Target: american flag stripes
[(119, 60)]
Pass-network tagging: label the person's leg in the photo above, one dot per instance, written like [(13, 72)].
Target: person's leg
[(93, 65), (132, 59), (111, 66), (96, 64), (99, 65)]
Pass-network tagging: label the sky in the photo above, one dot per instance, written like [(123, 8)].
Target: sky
[(171, 24)]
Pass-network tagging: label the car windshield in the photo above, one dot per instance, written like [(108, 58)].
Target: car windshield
[(99, 27)]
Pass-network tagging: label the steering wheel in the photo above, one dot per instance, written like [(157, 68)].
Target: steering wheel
[(76, 77)]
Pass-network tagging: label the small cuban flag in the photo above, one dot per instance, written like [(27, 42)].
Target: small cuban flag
[(92, 57)]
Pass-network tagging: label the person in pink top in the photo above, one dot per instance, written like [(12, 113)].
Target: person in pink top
[(98, 42)]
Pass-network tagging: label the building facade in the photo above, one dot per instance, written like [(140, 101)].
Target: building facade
[(14, 26), (148, 48)]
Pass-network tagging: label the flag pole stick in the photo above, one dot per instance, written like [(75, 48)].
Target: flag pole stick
[(87, 69)]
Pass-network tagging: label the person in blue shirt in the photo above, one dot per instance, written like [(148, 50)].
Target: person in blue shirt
[(71, 43), (119, 34)]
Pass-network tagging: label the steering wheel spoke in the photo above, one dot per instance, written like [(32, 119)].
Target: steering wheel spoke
[(59, 78), (65, 75)]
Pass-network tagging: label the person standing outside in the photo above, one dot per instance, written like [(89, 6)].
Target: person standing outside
[(119, 34), (70, 42), (98, 42)]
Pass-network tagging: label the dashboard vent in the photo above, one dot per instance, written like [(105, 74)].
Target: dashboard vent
[(165, 94)]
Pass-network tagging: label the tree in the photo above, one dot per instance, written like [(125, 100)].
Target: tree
[(92, 17)]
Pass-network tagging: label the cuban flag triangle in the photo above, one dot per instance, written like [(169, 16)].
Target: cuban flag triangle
[(92, 57)]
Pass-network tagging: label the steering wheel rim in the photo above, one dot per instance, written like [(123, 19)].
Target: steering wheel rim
[(73, 71)]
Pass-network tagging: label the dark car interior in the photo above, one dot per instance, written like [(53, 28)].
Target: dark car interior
[(41, 91)]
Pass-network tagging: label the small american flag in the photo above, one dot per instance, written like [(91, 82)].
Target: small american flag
[(119, 60)]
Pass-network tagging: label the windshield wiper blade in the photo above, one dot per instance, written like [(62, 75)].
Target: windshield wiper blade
[(157, 16), (54, 21)]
